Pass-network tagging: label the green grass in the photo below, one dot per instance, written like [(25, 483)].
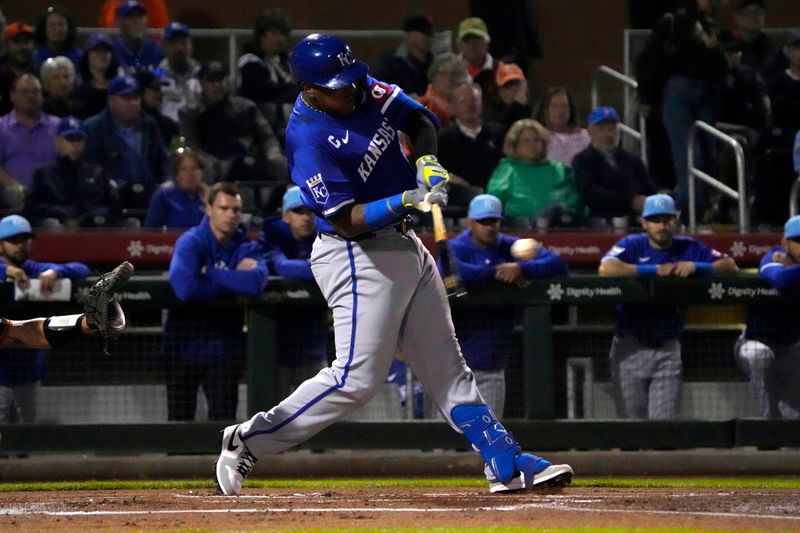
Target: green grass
[(639, 483)]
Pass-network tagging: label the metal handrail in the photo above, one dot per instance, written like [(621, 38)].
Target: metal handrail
[(628, 83), (740, 195), (793, 197)]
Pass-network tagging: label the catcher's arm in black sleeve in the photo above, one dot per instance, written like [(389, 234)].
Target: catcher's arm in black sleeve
[(103, 315)]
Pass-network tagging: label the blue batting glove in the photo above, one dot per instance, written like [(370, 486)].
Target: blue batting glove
[(430, 173)]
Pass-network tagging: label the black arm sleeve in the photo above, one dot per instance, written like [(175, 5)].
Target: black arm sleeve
[(422, 133)]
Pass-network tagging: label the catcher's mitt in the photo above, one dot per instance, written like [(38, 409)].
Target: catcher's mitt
[(103, 314)]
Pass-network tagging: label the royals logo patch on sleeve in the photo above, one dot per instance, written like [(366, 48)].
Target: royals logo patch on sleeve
[(317, 188)]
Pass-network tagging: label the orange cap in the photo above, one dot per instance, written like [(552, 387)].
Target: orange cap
[(507, 72)]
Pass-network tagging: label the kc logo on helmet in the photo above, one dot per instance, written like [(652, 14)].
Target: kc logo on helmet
[(317, 188), (346, 58)]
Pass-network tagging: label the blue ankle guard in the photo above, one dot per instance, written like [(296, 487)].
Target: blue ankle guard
[(488, 436)]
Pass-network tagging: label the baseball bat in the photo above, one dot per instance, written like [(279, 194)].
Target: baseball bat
[(452, 281)]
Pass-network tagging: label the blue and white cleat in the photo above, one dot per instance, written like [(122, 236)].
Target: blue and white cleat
[(234, 464), (532, 473)]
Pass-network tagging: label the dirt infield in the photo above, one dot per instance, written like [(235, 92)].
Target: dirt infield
[(280, 509)]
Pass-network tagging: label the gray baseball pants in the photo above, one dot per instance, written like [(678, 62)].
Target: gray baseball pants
[(386, 296), (647, 381)]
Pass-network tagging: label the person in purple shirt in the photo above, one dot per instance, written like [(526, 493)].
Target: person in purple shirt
[(205, 349), (26, 133), (22, 369), (483, 254), (646, 365), (134, 50), (180, 203), (768, 348)]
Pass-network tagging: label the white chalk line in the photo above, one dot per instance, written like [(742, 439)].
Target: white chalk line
[(503, 508)]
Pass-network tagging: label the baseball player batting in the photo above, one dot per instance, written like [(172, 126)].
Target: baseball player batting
[(380, 282)]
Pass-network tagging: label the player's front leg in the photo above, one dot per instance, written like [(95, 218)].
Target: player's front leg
[(507, 467)]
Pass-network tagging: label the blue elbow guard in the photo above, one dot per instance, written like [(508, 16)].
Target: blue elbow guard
[(380, 212), (488, 436)]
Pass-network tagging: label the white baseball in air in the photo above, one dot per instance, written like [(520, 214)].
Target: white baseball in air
[(524, 249)]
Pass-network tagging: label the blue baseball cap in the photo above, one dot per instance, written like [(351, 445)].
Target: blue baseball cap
[(792, 228), (292, 199), (98, 40), (14, 225), (123, 86), (601, 114), (130, 6), (70, 127), (485, 206), (176, 29), (659, 204)]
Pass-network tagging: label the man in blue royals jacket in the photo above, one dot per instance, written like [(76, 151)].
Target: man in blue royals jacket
[(22, 369), (483, 254), (206, 349), (286, 241)]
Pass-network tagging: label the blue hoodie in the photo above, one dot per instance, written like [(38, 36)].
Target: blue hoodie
[(203, 269)]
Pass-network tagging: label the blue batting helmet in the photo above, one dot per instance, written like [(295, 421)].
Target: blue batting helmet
[(327, 61)]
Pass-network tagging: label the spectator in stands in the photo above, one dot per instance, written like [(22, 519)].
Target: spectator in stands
[(231, 130), (473, 46), (776, 142), (302, 335), (181, 202), (693, 83), (767, 350), (55, 34), (758, 50), (181, 87), (446, 73), (127, 143), (133, 48), (211, 260), (18, 60), (784, 94), (407, 65), (646, 367), (69, 189), (157, 13), (265, 76), (530, 186), (152, 82), (483, 254), (469, 148), (612, 181), (96, 67), (58, 83), (21, 370), (26, 134), (511, 103), (743, 101), (557, 114)]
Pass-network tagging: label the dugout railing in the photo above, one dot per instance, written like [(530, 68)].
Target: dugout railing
[(556, 316)]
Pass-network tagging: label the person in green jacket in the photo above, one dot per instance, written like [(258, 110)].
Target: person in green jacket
[(531, 187)]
